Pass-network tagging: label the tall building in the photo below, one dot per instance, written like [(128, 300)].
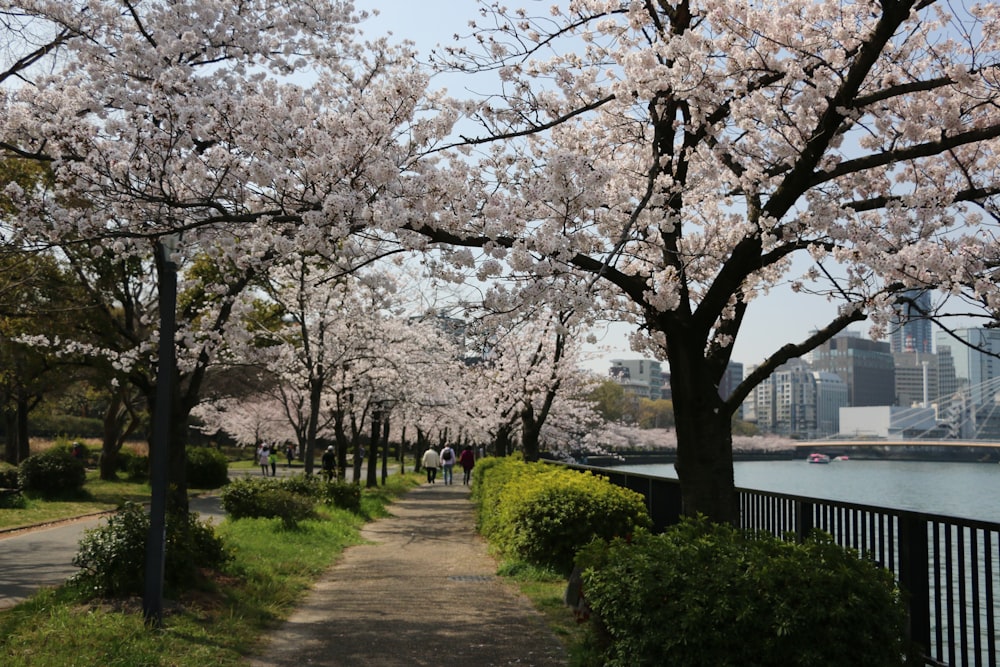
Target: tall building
[(918, 378), (911, 330), (977, 372), (866, 366), (730, 380), (974, 409), (831, 396), (642, 377), (785, 402)]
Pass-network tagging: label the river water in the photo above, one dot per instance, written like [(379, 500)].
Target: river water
[(963, 490)]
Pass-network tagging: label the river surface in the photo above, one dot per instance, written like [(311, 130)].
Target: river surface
[(963, 490)]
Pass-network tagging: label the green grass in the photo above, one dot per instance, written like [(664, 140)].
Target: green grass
[(97, 496), (271, 570), (545, 589)]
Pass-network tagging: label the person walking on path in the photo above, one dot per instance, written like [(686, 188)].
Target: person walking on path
[(264, 459), (430, 463), (289, 454), (447, 464), (468, 461), (272, 458), (329, 462), (390, 601)]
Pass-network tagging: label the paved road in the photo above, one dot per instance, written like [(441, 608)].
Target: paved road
[(33, 559)]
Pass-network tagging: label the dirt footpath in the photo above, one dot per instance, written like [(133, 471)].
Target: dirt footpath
[(423, 592)]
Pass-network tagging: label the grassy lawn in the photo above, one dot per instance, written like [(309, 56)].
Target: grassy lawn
[(98, 496), (219, 626)]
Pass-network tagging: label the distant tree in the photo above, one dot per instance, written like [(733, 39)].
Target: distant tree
[(609, 400), (658, 413)]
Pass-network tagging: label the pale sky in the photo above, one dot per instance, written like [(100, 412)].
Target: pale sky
[(782, 317)]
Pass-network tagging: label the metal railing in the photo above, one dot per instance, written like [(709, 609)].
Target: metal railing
[(949, 568)]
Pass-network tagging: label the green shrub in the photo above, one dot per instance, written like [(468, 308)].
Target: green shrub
[(546, 517), (263, 497), (8, 476), (304, 485), (136, 466), (345, 495), (704, 595), (207, 468), (52, 472), (112, 557), (12, 499), (490, 478)]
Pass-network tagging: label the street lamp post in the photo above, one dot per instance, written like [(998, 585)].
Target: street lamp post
[(152, 602)]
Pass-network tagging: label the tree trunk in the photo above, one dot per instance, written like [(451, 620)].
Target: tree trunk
[(530, 434), (10, 437), (373, 451), (23, 441), (120, 421), (385, 448), (704, 441), (502, 442), (110, 441), (312, 428), (341, 438)]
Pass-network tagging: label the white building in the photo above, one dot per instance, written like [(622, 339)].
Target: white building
[(643, 377), (887, 421)]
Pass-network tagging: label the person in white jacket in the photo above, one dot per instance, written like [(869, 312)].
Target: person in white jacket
[(431, 462)]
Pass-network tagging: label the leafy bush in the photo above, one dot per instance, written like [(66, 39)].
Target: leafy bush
[(207, 468), (305, 485), (12, 499), (263, 497), (546, 517), (112, 557), (345, 495), (8, 476), (707, 595), (490, 478), (136, 466), (52, 472)]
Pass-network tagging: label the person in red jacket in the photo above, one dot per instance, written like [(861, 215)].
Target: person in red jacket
[(467, 460)]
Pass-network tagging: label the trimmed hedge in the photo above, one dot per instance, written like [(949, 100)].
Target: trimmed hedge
[(207, 468), (706, 595), (542, 514), (264, 497), (52, 472)]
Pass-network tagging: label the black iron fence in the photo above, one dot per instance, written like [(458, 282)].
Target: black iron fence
[(949, 567)]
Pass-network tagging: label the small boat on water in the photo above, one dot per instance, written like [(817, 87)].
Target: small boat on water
[(816, 457)]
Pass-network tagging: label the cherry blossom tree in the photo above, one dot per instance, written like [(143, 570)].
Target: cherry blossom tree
[(680, 154), (254, 129), (530, 377)]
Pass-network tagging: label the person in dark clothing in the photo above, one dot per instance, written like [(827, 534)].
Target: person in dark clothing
[(329, 463), (468, 461)]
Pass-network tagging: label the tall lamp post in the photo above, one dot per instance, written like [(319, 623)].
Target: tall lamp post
[(152, 601)]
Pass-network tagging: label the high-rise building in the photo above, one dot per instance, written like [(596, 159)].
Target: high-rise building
[(642, 377), (866, 367), (785, 402), (831, 396), (918, 378), (977, 371), (911, 330), (730, 380)]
